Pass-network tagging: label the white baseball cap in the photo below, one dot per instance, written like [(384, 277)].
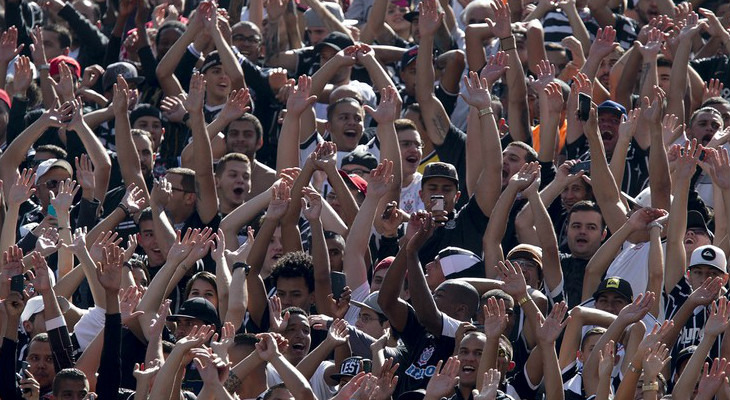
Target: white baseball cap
[(709, 255)]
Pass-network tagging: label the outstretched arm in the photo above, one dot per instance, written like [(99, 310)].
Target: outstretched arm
[(428, 314)]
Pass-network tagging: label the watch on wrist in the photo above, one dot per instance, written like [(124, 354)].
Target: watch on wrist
[(243, 265)]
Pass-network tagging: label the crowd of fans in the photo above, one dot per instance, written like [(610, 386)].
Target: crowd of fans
[(364, 199)]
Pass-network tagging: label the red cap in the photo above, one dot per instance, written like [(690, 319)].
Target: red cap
[(4, 97), (355, 181), (54, 68), (383, 264)]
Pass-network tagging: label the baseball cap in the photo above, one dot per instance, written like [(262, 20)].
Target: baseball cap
[(696, 220), (410, 16), (354, 181), (418, 394), (350, 367), (455, 260), (408, 57), (440, 170), (360, 157), (123, 68), (616, 285), (383, 264), (34, 305), (55, 64), (335, 40), (213, 59), (709, 255), (5, 97), (197, 308), (612, 106), (531, 252), (46, 166), (370, 302)]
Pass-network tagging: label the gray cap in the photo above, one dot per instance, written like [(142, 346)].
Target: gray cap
[(370, 302), (125, 69)]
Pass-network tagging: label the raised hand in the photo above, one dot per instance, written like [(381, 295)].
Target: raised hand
[(513, 281), (627, 128), (41, 281), (339, 307), (65, 85), (202, 243), (549, 329), (23, 76), (655, 361), (196, 95), (109, 271), (657, 333), (490, 385), (692, 26), (299, 99), (161, 193), (280, 198), (718, 321), (22, 189), (324, 156), (426, 226), (173, 109), (120, 101), (30, 387), (128, 302), (576, 50), (707, 292), (389, 108), (653, 46), (381, 179), (525, 176), (12, 262), (430, 18), (545, 75), (717, 163), (267, 348), (147, 372), (157, 325), (131, 247), (604, 43), (85, 174), (502, 19), (713, 88), (241, 253), (213, 370), (47, 242), (552, 99), (220, 347), (640, 220), (496, 67), (183, 246), (444, 379), (104, 240), (37, 49), (606, 359), (338, 334), (9, 45), (635, 311), (236, 105), (712, 378), (495, 318), (196, 337), (311, 204), (66, 192), (652, 110), (477, 91), (278, 321), (134, 199), (689, 158), (387, 380)]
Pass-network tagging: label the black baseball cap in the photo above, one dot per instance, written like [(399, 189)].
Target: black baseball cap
[(197, 308), (408, 57), (440, 170), (616, 285), (362, 158), (213, 59), (335, 40), (349, 368), (696, 220)]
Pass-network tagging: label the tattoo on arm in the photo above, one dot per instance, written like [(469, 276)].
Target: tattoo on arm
[(645, 68), (441, 127), (271, 41)]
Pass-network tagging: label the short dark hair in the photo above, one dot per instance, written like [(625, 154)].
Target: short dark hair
[(713, 101), (295, 311), (202, 275), (41, 337), (145, 215), (270, 391), (245, 339), (57, 152), (188, 177), (64, 35), (174, 25), (221, 166), (662, 61), (295, 264), (257, 127), (464, 293), (509, 302), (248, 24), (587, 205), (331, 108), (598, 330), (702, 111), (531, 153), (67, 374), (402, 124)]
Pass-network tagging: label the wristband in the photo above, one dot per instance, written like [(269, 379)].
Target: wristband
[(186, 118), (238, 265), (44, 67), (655, 224), (508, 43), (55, 323), (523, 301), (60, 228), (125, 209), (486, 111), (633, 369), (650, 387), (193, 50)]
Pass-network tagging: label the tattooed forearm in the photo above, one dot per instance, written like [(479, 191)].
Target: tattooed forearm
[(232, 383), (271, 40)]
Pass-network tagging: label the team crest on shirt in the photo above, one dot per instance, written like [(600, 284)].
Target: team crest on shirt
[(425, 355)]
